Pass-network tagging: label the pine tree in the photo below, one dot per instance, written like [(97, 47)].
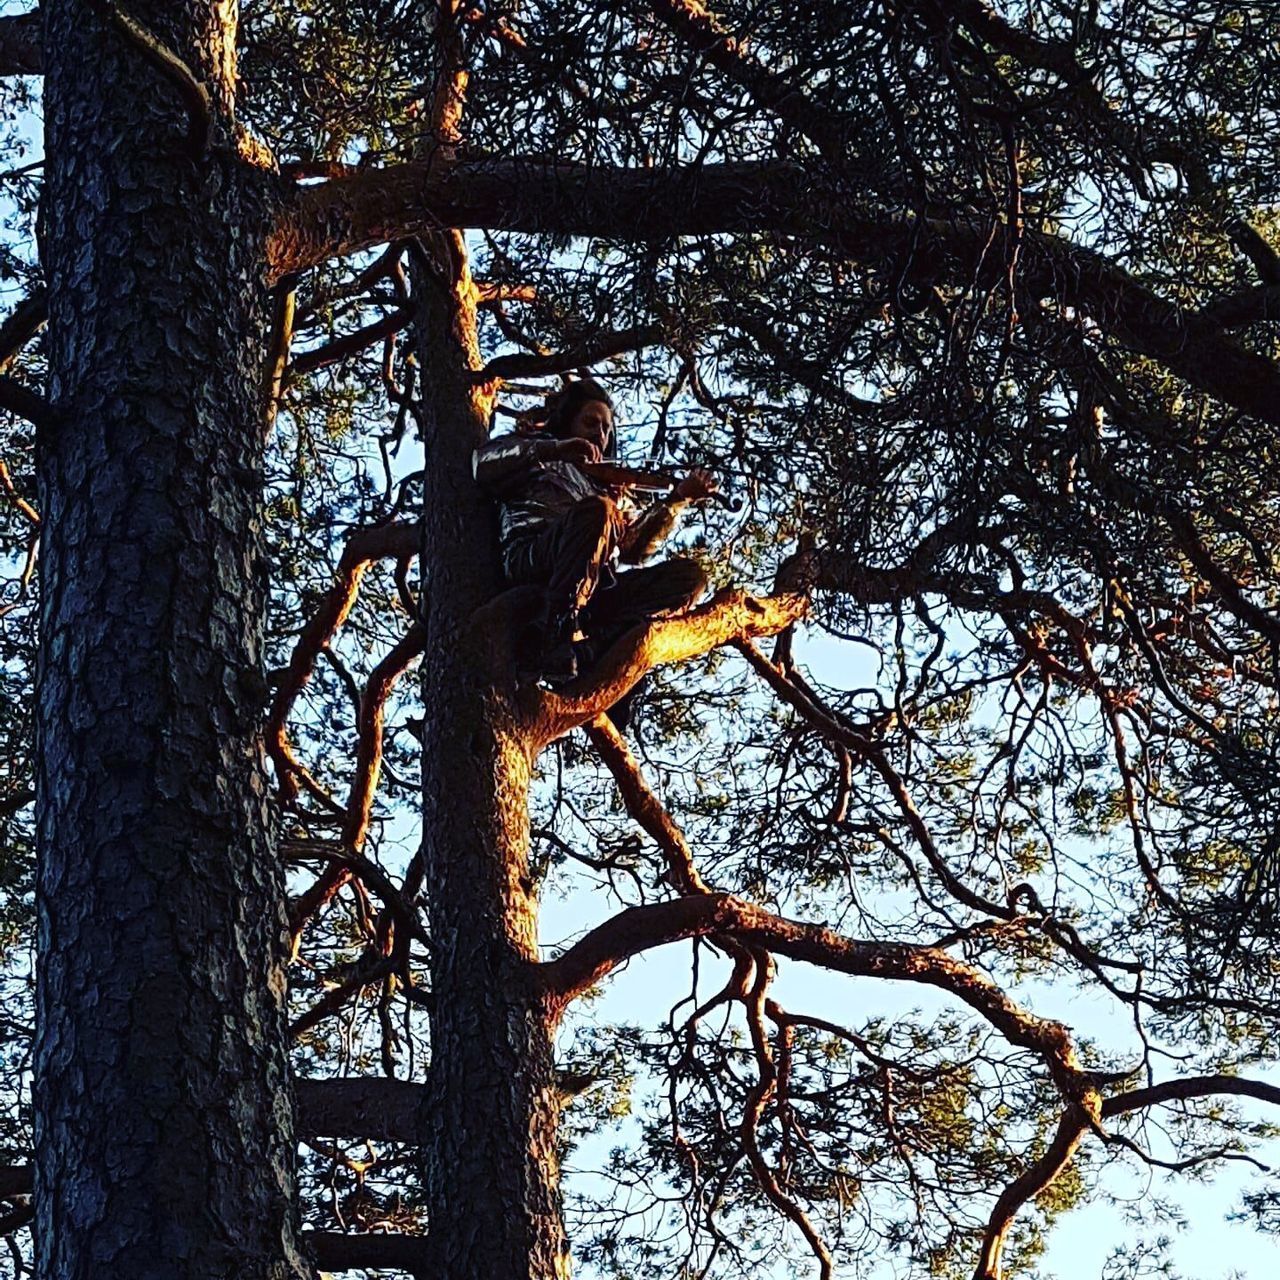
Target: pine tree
[(971, 305)]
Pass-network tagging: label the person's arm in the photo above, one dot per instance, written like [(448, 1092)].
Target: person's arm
[(649, 530), (652, 527), (504, 464)]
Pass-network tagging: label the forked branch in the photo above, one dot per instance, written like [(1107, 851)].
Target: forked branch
[(730, 615), (363, 547), (644, 806)]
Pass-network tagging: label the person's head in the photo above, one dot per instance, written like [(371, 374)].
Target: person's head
[(582, 411)]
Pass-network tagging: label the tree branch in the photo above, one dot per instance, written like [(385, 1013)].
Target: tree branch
[(194, 94), (372, 1251), (865, 749), (1186, 1089), (350, 344), (588, 352), (25, 509), (15, 1180), (364, 546), (639, 929), (24, 402), (1072, 1128), (368, 769), (644, 806), (349, 214), (730, 615), (21, 45), (360, 1107), (21, 325), (1250, 241)]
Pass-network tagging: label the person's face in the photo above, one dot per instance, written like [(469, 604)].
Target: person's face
[(594, 422)]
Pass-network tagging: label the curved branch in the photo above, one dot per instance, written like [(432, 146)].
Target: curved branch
[(364, 546), (871, 752), (589, 352), (194, 94), (368, 769), (639, 929), (1073, 1126), (349, 345), (349, 214), (26, 403), (728, 616), (369, 969), (21, 325), (25, 509), (645, 807), (1186, 1089)]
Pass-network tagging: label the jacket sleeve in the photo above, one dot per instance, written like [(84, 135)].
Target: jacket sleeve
[(649, 530), (503, 465)]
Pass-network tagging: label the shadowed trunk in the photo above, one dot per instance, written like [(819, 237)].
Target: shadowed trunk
[(489, 1131), (163, 1130)]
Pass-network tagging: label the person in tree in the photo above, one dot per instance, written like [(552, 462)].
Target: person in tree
[(563, 531)]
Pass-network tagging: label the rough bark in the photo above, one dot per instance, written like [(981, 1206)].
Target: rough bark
[(163, 1130), (489, 1123)]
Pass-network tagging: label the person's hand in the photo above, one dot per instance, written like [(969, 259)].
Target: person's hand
[(698, 484), (578, 451)]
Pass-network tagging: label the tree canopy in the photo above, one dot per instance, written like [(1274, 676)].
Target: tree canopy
[(975, 307)]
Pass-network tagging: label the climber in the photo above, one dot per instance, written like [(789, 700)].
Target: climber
[(562, 530)]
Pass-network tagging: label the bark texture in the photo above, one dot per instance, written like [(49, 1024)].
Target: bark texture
[(489, 1125), (163, 1131)]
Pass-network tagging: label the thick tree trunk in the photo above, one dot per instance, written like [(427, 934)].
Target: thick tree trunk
[(489, 1131), (163, 1130)]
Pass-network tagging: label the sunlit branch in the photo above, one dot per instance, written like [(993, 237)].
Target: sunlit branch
[(368, 767), (770, 91), (640, 929), (1073, 1126), (25, 509), (730, 615), (21, 325), (284, 312), (492, 295), (644, 806)]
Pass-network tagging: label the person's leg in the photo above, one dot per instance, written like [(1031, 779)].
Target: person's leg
[(566, 557), (640, 594), (637, 596)]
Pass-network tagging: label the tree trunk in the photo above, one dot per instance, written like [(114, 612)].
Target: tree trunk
[(163, 1128), (489, 1131)]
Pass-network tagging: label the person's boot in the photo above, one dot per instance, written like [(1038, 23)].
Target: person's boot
[(545, 649), (558, 664)]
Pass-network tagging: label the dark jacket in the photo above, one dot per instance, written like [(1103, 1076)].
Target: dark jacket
[(534, 488)]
